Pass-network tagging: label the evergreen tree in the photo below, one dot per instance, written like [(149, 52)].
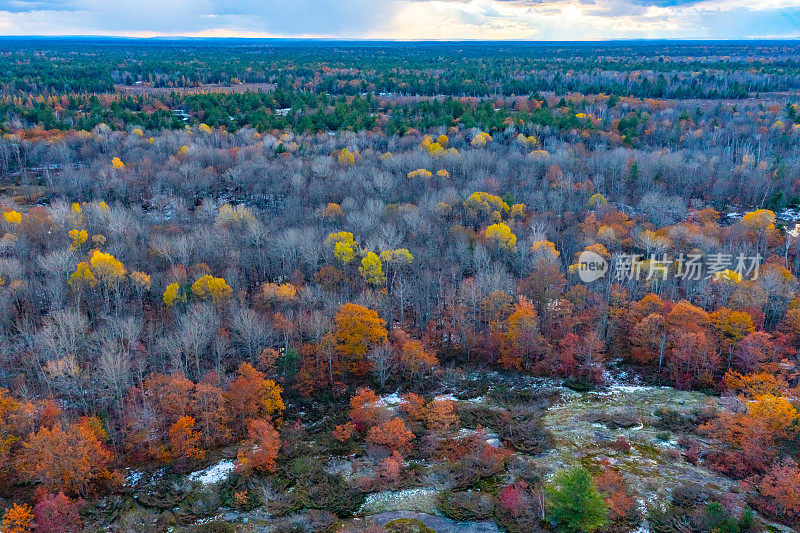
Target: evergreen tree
[(574, 504)]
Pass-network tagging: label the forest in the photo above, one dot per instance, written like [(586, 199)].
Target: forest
[(293, 286)]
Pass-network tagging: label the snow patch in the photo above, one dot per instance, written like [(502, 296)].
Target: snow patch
[(634, 388), (417, 499), (133, 477), (214, 473), (477, 399), (392, 399), (446, 397)]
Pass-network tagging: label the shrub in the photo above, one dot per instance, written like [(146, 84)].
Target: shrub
[(472, 416), (676, 421), (614, 419), (527, 436), (464, 506), (56, 513), (479, 462), (519, 510), (622, 444)]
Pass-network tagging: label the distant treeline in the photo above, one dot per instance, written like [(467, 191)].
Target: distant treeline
[(66, 84)]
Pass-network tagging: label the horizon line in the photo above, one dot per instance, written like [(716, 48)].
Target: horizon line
[(180, 37)]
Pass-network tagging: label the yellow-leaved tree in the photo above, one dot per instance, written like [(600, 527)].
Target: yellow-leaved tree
[(106, 268), (759, 220), (346, 158), (12, 217), (481, 139), (356, 331), (483, 203), (344, 246), (173, 295), (400, 256), (420, 173), (501, 234), (344, 252), (82, 276), (100, 268), (436, 149), (211, 288), (775, 412), (141, 284), (78, 237), (544, 250), (371, 269), (597, 200), (238, 215), (761, 224), (270, 294)]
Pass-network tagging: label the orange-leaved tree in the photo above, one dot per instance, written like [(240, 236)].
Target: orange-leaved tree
[(356, 330), (18, 519), (366, 409), (251, 396), (523, 345), (184, 440), (440, 415), (261, 449), (392, 434), (69, 457)]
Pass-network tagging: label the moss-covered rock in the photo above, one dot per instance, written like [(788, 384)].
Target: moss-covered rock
[(407, 525)]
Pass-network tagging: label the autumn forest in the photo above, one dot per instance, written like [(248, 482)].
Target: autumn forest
[(404, 287)]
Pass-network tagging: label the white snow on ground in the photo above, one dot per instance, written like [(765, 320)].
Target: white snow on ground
[(446, 397), (634, 388), (477, 399), (133, 477), (214, 473), (392, 399), (418, 499), (492, 439)]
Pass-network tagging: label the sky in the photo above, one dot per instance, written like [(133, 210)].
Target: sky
[(572, 20)]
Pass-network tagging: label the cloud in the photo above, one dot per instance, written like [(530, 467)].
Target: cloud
[(406, 19), (22, 6)]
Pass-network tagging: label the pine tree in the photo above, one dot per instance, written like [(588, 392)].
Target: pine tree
[(574, 504)]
